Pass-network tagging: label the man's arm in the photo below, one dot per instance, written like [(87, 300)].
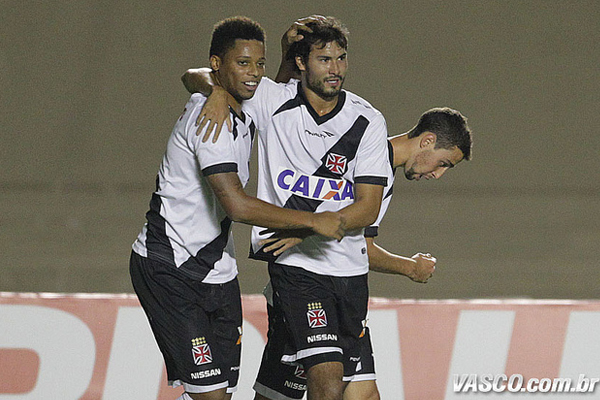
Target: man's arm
[(418, 268), (363, 212), (240, 207)]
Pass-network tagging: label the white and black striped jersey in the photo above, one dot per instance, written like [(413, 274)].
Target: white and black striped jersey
[(372, 230), (186, 226), (310, 162)]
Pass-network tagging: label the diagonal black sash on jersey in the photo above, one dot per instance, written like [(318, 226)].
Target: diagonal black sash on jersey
[(157, 242), (346, 146), (204, 261)]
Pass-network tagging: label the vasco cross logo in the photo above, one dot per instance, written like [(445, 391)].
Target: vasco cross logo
[(201, 351), (336, 163), (316, 315)]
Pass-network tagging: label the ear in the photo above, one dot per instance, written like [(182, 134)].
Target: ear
[(300, 63), (215, 62), (428, 139)]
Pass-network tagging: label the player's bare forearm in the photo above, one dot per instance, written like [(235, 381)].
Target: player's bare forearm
[(198, 80), (252, 211), (381, 260), (363, 212), (418, 268)]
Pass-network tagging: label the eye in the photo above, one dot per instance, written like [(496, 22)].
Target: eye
[(261, 64), (242, 62)]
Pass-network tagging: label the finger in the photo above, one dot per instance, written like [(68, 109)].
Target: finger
[(216, 136), (263, 242), (282, 249), (201, 123), (274, 246), (211, 127), (229, 124), (206, 132)]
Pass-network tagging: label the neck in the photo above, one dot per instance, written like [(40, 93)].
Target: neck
[(233, 102), (401, 145), (236, 105), (322, 105)]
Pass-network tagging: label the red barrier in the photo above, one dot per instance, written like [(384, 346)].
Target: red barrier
[(93, 347)]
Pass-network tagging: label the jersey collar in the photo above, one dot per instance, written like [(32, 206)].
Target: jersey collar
[(321, 119)]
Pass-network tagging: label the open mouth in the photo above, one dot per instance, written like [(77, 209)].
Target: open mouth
[(251, 85)]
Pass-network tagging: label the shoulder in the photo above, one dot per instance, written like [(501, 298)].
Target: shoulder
[(362, 106)]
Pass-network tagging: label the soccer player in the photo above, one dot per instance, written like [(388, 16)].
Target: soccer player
[(320, 148), (440, 140), (182, 265)]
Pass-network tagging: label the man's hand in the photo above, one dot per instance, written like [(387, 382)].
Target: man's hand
[(329, 224), (214, 112), (280, 243), (287, 68), (423, 267), (294, 33)]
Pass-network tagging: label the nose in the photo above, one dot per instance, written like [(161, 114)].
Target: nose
[(334, 68), (253, 70)]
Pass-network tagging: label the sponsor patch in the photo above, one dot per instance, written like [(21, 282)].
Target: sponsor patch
[(314, 187), (206, 374), (321, 337)]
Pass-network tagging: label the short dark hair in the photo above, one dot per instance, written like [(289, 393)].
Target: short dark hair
[(324, 31), (227, 31), (450, 127)]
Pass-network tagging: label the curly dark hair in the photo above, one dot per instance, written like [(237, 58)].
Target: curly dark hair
[(227, 31)]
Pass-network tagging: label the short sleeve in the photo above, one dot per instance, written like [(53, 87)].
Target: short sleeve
[(212, 157), (372, 161), (262, 105)]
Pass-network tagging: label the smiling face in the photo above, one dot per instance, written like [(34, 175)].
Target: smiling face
[(325, 69), (241, 68), (428, 162)]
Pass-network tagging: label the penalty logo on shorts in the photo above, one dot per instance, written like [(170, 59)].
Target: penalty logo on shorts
[(201, 351), (316, 315)]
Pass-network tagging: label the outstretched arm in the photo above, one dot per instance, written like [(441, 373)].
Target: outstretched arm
[(240, 207), (418, 268)]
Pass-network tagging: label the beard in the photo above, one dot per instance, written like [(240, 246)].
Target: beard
[(318, 86)]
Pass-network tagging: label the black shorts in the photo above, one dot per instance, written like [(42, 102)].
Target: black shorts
[(323, 316), (197, 326), (279, 381)]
